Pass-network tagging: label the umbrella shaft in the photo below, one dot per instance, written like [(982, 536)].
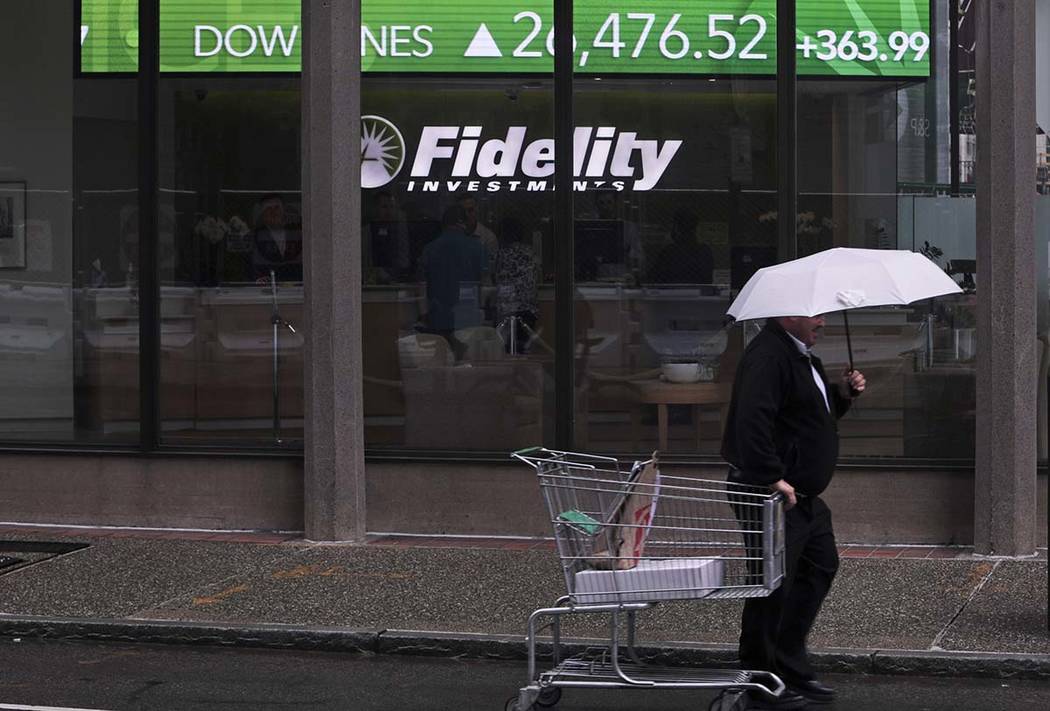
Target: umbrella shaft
[(849, 344)]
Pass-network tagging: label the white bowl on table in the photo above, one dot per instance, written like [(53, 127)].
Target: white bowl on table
[(680, 372)]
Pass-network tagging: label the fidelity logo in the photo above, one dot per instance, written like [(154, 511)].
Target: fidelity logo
[(603, 157), (382, 151)]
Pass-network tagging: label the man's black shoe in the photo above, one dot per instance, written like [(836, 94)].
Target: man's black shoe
[(787, 701), (812, 690)]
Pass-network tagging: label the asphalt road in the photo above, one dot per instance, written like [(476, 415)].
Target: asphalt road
[(74, 676)]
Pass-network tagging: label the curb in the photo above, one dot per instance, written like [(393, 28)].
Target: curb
[(463, 645), (332, 639)]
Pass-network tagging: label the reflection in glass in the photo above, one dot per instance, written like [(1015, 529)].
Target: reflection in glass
[(231, 268), (680, 214), (874, 172), (69, 344), (458, 264)]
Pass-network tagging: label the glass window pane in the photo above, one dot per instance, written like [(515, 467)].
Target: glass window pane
[(230, 254), (109, 32), (458, 262), (68, 203), (675, 200), (874, 171)]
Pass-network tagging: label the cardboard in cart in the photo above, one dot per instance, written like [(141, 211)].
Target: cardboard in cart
[(631, 520), (651, 580)]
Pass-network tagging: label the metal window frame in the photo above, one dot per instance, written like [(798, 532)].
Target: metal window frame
[(787, 133), (149, 282), (564, 231)]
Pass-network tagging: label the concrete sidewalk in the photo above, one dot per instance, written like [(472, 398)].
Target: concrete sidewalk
[(918, 609)]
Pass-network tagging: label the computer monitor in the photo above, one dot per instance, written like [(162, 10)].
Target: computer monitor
[(962, 266), (598, 243), (966, 267), (745, 261)]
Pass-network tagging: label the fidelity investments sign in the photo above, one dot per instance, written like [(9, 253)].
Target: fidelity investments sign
[(458, 158)]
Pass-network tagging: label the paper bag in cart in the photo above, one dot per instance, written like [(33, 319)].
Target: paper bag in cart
[(623, 543)]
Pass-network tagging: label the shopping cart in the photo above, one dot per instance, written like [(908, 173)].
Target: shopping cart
[(629, 538)]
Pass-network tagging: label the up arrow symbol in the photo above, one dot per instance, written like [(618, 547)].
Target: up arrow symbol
[(483, 45)]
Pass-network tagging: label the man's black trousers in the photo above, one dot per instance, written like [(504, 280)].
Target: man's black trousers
[(774, 628)]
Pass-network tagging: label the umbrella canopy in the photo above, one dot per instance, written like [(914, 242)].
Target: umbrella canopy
[(839, 279)]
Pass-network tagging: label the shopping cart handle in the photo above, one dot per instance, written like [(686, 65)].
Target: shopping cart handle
[(527, 450)]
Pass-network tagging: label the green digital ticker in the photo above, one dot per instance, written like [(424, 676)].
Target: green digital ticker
[(231, 36), (109, 36), (877, 38), (888, 38)]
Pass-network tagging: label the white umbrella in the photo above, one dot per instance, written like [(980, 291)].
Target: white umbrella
[(839, 279)]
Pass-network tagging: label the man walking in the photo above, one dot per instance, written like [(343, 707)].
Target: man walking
[(782, 432)]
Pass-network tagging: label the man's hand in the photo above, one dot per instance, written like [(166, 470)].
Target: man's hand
[(852, 383), (787, 490)]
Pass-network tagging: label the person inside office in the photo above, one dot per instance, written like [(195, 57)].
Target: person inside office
[(685, 260), (277, 245), (453, 266), (385, 242), (516, 271)]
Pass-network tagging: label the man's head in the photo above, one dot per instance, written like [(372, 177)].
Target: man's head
[(272, 210), (683, 228), (605, 203), (805, 328), (386, 207), (454, 216), (470, 208), (511, 231)]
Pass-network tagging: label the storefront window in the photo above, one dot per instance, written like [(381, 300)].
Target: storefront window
[(677, 210), (230, 257), (675, 156), (678, 220), (458, 264), (68, 198), (874, 172), (675, 203)]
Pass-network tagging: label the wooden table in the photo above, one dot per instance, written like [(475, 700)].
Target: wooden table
[(662, 394)]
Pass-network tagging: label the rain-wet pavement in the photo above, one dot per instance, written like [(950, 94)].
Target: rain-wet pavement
[(142, 677)]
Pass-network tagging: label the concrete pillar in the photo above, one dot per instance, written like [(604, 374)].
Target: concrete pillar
[(1005, 483), (334, 487)]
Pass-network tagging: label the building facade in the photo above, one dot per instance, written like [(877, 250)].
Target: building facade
[(216, 313)]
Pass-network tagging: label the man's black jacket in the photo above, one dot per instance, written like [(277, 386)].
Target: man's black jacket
[(778, 426)]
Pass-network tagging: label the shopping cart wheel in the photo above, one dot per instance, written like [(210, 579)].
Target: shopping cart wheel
[(512, 705), (550, 696), (730, 700)]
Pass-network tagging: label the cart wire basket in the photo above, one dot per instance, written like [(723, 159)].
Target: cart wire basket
[(628, 538)]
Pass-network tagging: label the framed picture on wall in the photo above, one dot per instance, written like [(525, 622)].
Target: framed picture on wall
[(12, 225)]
